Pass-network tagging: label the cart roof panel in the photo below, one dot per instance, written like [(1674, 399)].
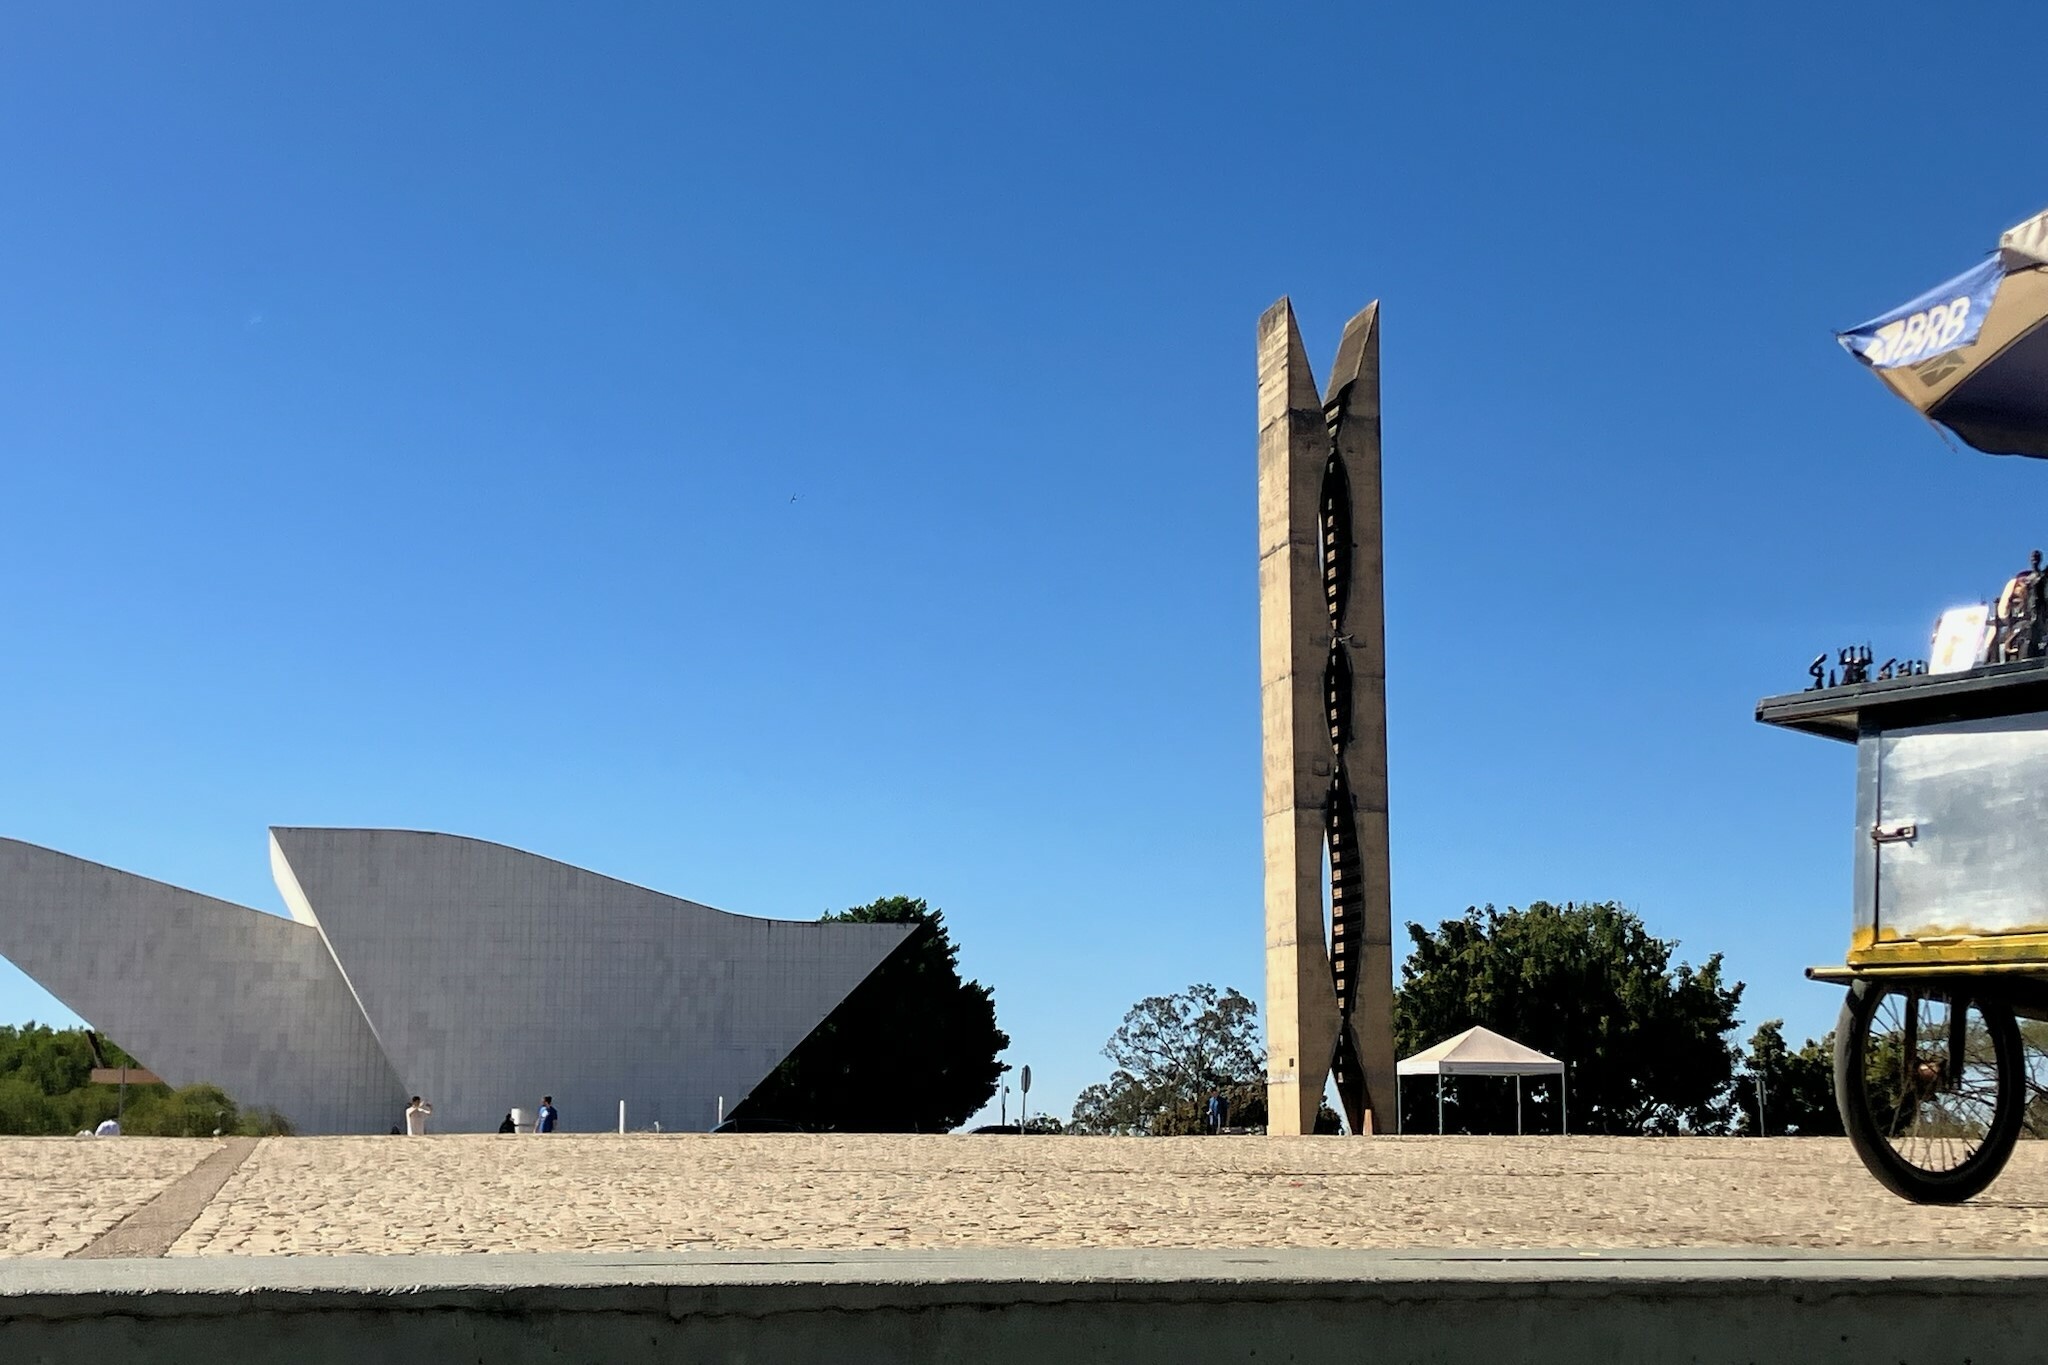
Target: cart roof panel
[(1922, 699)]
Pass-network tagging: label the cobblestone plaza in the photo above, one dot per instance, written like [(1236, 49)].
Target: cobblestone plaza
[(324, 1196)]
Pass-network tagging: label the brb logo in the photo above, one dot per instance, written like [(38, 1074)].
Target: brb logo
[(1927, 332)]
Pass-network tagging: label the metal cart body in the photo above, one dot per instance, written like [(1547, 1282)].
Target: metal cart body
[(1951, 837), (1949, 919), (1956, 862)]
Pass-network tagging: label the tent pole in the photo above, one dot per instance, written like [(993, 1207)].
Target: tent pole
[(1564, 1109), (1397, 1104), (1518, 1106), (1439, 1104)]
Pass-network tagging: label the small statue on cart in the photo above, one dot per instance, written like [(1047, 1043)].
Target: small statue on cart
[(2019, 626)]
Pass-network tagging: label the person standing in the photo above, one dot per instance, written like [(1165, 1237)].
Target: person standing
[(1215, 1114), (548, 1115), (416, 1117)]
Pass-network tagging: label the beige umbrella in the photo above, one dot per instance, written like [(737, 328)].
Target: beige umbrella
[(1972, 353)]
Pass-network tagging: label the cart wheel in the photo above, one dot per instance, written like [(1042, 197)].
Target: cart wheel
[(1932, 1088)]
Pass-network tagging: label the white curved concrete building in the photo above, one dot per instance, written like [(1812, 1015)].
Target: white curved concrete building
[(471, 973)]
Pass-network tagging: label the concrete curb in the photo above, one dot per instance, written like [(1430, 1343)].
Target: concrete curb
[(1002, 1306)]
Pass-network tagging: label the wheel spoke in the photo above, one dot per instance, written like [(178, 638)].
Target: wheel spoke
[(1930, 1079)]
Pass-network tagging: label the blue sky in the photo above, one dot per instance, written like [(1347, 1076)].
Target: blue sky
[(787, 457)]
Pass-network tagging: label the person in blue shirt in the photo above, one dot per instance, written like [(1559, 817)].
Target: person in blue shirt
[(548, 1115)]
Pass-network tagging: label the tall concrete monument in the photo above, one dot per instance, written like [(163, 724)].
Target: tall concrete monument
[(1323, 691)]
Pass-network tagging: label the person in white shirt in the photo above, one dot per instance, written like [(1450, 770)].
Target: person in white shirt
[(416, 1117)]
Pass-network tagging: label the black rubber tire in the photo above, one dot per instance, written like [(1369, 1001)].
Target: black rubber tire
[(1892, 1170)]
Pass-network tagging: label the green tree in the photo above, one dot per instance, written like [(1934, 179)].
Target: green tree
[(195, 1111), (913, 1049), (2034, 1034), (1645, 1043), (46, 1089), (46, 1080), (1171, 1053), (54, 1061), (25, 1110), (1798, 1087)]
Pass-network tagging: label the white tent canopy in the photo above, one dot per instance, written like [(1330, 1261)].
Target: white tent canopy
[(1482, 1052)]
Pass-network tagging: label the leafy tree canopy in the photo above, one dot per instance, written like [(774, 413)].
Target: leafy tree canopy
[(1645, 1042), (2034, 1122), (1171, 1053), (912, 1049), (46, 1089), (1798, 1087)]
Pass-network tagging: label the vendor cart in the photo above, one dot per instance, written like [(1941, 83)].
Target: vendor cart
[(1949, 946), (1949, 949)]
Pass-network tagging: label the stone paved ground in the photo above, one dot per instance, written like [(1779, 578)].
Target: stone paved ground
[(58, 1194), (323, 1196)]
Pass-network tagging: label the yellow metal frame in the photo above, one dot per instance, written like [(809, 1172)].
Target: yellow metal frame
[(1938, 969), (1941, 954)]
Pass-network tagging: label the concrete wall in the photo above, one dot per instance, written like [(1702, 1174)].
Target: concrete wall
[(493, 976), (474, 974), (991, 1308), (198, 989)]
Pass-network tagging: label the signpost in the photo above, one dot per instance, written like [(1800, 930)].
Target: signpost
[(121, 1076), (124, 1075), (1024, 1104)]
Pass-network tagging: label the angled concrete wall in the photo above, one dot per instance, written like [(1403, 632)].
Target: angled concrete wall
[(198, 989), (492, 977)]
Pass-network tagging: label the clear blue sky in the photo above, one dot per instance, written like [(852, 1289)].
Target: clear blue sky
[(787, 457)]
